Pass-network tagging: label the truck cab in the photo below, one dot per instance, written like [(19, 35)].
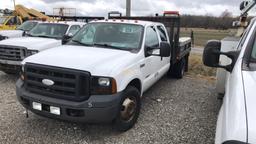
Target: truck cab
[(236, 119), (43, 36), (102, 73), (19, 31), (10, 22)]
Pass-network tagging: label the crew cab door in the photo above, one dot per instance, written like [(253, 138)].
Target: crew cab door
[(151, 63), (164, 63)]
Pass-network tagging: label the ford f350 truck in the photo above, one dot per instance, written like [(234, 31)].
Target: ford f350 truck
[(19, 32), (236, 119), (102, 73), (43, 36)]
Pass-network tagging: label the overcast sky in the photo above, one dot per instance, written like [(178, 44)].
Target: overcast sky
[(139, 7)]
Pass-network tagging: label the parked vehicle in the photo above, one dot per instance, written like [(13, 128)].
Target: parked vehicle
[(43, 36), (19, 32), (20, 15), (102, 73), (236, 119)]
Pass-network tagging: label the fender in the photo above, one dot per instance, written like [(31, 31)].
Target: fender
[(127, 76)]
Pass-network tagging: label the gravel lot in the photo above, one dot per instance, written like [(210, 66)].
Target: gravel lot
[(173, 111)]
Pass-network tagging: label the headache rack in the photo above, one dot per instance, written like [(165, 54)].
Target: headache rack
[(171, 20), (76, 18)]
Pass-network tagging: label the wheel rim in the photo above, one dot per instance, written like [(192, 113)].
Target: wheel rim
[(128, 109)]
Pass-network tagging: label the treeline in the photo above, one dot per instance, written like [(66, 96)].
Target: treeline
[(207, 22)]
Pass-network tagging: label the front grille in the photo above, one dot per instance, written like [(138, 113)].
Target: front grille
[(12, 53), (68, 84)]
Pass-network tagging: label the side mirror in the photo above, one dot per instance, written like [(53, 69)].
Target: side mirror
[(66, 38), (212, 53), (243, 5), (165, 49)]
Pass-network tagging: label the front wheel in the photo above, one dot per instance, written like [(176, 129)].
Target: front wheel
[(129, 109)]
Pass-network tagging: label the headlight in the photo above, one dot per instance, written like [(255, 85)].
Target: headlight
[(104, 82), (103, 86), (31, 52)]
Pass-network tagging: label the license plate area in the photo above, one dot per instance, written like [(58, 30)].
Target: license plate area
[(46, 108)]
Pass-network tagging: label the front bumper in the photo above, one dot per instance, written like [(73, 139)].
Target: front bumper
[(10, 66), (97, 109)]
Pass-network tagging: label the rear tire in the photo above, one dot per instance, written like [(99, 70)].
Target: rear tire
[(129, 109), (178, 70)]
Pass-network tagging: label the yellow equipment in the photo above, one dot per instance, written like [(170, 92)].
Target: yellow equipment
[(20, 15)]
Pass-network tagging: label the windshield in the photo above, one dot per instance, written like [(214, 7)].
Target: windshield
[(110, 35), (50, 30), (2, 20), (27, 26)]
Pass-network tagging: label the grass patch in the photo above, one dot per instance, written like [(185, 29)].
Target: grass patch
[(203, 35), (197, 68)]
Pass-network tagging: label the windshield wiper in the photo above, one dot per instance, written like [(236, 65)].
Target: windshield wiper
[(44, 36), (30, 35), (80, 43), (108, 46)]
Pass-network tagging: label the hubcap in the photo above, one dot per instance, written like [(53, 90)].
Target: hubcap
[(128, 109)]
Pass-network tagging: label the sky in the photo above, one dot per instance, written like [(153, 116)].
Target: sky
[(139, 7)]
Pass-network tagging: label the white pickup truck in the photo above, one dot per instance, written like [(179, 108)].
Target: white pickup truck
[(102, 73), (43, 36), (236, 120), (20, 31)]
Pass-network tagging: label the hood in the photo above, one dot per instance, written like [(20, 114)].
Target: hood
[(11, 33), (33, 43), (97, 61), (249, 86)]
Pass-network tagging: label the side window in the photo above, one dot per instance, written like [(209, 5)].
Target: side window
[(151, 38), (74, 29), (14, 21), (162, 33), (11, 21)]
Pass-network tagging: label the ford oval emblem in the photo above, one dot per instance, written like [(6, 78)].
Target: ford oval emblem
[(48, 82)]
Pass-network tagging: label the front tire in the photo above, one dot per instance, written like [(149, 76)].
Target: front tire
[(129, 109)]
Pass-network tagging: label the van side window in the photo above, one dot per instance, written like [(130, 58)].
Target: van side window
[(74, 29), (151, 38), (162, 33)]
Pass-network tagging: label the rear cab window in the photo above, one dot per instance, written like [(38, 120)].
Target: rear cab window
[(162, 33)]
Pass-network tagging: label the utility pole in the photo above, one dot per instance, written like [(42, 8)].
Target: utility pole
[(128, 8), (14, 4)]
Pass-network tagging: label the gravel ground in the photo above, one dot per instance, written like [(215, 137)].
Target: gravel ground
[(173, 111)]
